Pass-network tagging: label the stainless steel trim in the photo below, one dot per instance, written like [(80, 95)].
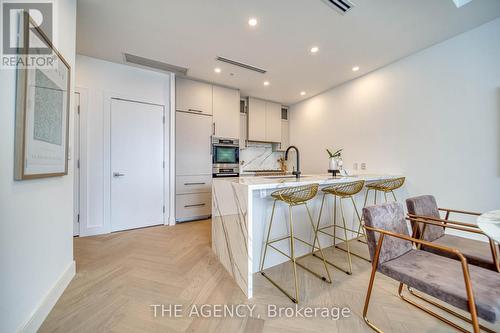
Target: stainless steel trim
[(220, 175), (195, 205), (225, 166), (198, 113), (225, 145)]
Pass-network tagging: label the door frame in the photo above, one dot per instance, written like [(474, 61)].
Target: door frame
[(167, 181), (83, 185), (76, 164)]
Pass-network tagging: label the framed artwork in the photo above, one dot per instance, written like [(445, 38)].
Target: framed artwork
[(42, 110)]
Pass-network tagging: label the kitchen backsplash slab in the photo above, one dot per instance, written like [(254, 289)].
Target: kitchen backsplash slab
[(259, 156)]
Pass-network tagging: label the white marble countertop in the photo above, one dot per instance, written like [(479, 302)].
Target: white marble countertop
[(273, 182)]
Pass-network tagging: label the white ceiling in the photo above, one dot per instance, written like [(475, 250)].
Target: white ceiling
[(191, 33)]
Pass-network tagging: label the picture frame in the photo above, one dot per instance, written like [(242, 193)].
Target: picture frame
[(42, 110)]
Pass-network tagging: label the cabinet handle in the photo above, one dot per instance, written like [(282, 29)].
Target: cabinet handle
[(194, 110), (189, 184), (213, 129), (196, 205)]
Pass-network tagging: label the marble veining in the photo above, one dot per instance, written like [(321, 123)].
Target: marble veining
[(259, 156), (241, 208)]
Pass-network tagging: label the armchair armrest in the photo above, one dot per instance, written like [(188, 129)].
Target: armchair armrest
[(467, 227), (463, 212), (419, 241)]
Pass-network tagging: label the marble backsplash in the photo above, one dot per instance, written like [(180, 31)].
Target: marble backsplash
[(259, 156)]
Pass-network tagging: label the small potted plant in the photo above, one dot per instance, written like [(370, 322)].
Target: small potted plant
[(335, 159)]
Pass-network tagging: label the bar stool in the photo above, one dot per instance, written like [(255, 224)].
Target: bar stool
[(385, 186), (342, 191), (294, 196)]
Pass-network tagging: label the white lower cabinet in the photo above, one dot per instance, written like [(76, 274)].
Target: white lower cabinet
[(193, 206), (193, 184)]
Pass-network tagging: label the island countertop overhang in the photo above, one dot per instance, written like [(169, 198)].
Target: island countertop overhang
[(276, 182)]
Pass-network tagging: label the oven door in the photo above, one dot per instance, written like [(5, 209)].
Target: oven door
[(226, 155)]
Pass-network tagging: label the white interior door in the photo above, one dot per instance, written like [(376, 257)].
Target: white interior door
[(137, 162)]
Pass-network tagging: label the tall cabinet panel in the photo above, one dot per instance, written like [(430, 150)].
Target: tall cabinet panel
[(273, 122), (193, 96), (193, 144), (256, 120), (226, 111)]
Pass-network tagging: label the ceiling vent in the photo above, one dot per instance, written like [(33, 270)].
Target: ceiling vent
[(341, 6), (154, 64), (242, 65)]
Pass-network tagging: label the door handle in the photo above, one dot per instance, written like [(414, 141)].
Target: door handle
[(117, 174)]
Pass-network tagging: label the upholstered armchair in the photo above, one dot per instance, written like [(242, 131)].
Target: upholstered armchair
[(483, 254), (470, 288)]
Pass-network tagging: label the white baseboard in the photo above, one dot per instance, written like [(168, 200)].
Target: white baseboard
[(43, 309)]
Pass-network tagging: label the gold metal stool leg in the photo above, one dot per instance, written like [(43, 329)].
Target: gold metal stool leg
[(292, 250), (346, 238), (334, 236), (394, 195), (263, 258), (354, 231), (315, 230), (292, 255)]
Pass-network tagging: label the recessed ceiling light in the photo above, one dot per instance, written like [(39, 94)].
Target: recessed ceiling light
[(266, 83), (314, 49), (217, 70), (302, 93), (355, 68), (252, 22)]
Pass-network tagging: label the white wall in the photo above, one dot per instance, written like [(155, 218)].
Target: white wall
[(98, 81), (433, 117), (36, 231)]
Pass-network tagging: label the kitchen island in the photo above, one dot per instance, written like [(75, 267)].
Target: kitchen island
[(241, 209)]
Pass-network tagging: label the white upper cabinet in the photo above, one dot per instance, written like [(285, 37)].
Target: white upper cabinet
[(193, 96), (264, 121), (256, 119), (273, 122), (285, 135), (226, 112)]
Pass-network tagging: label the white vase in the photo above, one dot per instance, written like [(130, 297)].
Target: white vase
[(333, 164)]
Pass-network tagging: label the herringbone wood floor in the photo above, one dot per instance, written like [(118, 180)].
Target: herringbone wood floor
[(120, 275)]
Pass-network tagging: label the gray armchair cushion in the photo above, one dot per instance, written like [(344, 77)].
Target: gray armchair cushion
[(477, 253), (390, 217), (442, 278), (426, 205)]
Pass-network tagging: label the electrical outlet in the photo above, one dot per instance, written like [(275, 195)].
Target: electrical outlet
[(355, 166), (363, 166)]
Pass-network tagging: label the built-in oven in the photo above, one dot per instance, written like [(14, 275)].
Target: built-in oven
[(225, 157)]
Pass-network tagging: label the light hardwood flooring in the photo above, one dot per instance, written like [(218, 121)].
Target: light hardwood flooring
[(119, 276)]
